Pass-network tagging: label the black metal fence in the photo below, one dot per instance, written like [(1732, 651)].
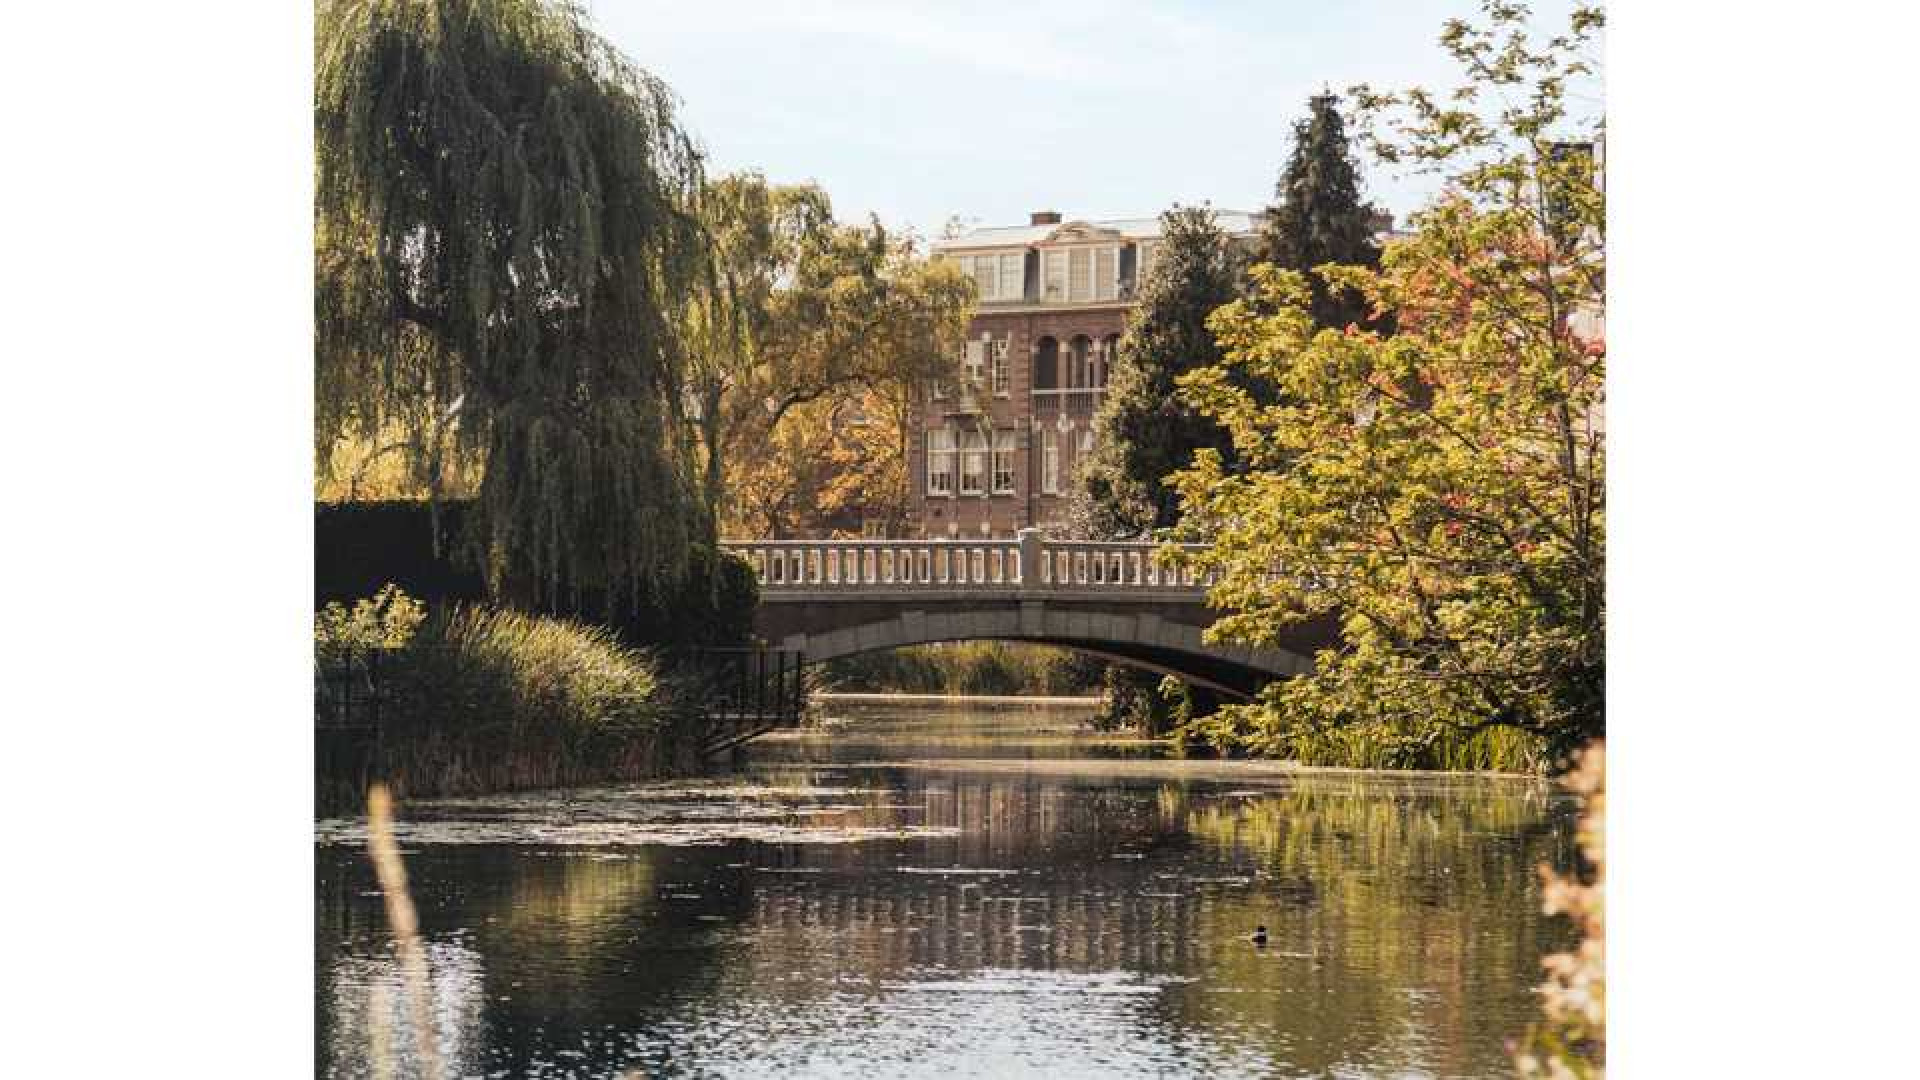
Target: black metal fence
[(349, 689), (743, 692), (738, 692)]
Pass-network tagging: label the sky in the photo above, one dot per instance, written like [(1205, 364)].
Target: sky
[(920, 111)]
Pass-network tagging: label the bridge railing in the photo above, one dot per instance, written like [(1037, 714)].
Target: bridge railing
[(1027, 563)]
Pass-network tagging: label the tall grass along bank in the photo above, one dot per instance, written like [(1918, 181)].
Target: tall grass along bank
[(966, 667), (472, 699)]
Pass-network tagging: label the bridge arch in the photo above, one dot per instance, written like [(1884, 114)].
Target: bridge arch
[(1231, 672), (832, 599)]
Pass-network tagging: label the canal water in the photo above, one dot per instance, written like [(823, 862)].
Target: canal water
[(932, 890)]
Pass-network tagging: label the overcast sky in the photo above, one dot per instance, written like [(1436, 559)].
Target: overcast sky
[(1097, 108)]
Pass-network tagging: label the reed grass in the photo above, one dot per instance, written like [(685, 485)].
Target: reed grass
[(479, 700), (965, 667), (391, 872), (1371, 745)]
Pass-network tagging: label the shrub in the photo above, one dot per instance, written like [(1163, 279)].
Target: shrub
[(360, 546), (473, 699), (385, 620)]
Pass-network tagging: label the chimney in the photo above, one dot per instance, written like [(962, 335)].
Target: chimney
[(1045, 217)]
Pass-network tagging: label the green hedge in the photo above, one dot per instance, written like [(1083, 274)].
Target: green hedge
[(361, 546)]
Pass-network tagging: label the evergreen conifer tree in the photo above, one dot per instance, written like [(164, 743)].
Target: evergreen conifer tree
[(1318, 216), (1142, 431)]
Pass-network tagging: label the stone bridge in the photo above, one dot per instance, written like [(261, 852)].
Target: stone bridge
[(831, 598)]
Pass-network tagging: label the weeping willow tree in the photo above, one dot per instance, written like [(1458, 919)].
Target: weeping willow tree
[(506, 227)]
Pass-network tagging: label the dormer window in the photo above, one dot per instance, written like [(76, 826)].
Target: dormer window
[(1080, 274), (999, 277)]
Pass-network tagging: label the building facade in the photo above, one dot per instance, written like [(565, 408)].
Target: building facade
[(997, 452)]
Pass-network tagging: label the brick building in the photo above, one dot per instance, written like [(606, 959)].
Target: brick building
[(997, 452)]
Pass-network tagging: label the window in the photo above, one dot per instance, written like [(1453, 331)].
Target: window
[(973, 463), (940, 453), (1106, 273), (1080, 274), (1142, 260), (973, 362), (999, 276), (1085, 450), (1080, 362), (1013, 275), (1053, 266), (1003, 462), (1050, 462), (1109, 352), (1046, 365), (1000, 377)]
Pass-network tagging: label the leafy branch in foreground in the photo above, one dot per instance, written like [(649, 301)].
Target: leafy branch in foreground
[(1440, 491), (1570, 1041)]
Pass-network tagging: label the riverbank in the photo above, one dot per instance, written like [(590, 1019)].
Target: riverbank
[(841, 696), (473, 701)]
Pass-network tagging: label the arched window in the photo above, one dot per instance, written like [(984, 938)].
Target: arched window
[(1109, 349), (1080, 363), (1046, 365)]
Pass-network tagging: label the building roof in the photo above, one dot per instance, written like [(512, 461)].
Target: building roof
[(1235, 222)]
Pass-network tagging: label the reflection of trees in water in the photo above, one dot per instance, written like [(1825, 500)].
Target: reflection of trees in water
[(552, 945), (1419, 902), (1404, 916)]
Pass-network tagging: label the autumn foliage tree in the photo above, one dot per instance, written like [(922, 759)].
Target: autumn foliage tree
[(1439, 491), (813, 335)]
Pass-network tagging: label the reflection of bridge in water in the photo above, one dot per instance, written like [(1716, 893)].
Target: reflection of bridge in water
[(831, 598)]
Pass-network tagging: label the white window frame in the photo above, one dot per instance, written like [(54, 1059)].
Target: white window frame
[(1003, 452), (1053, 276), (1106, 278), (1080, 274), (973, 361), (973, 462), (998, 276), (999, 365), (941, 460), (1013, 275), (1049, 462)]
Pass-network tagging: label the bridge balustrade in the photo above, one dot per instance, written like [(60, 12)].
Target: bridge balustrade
[(1027, 563)]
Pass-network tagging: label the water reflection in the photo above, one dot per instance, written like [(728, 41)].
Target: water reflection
[(967, 917)]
